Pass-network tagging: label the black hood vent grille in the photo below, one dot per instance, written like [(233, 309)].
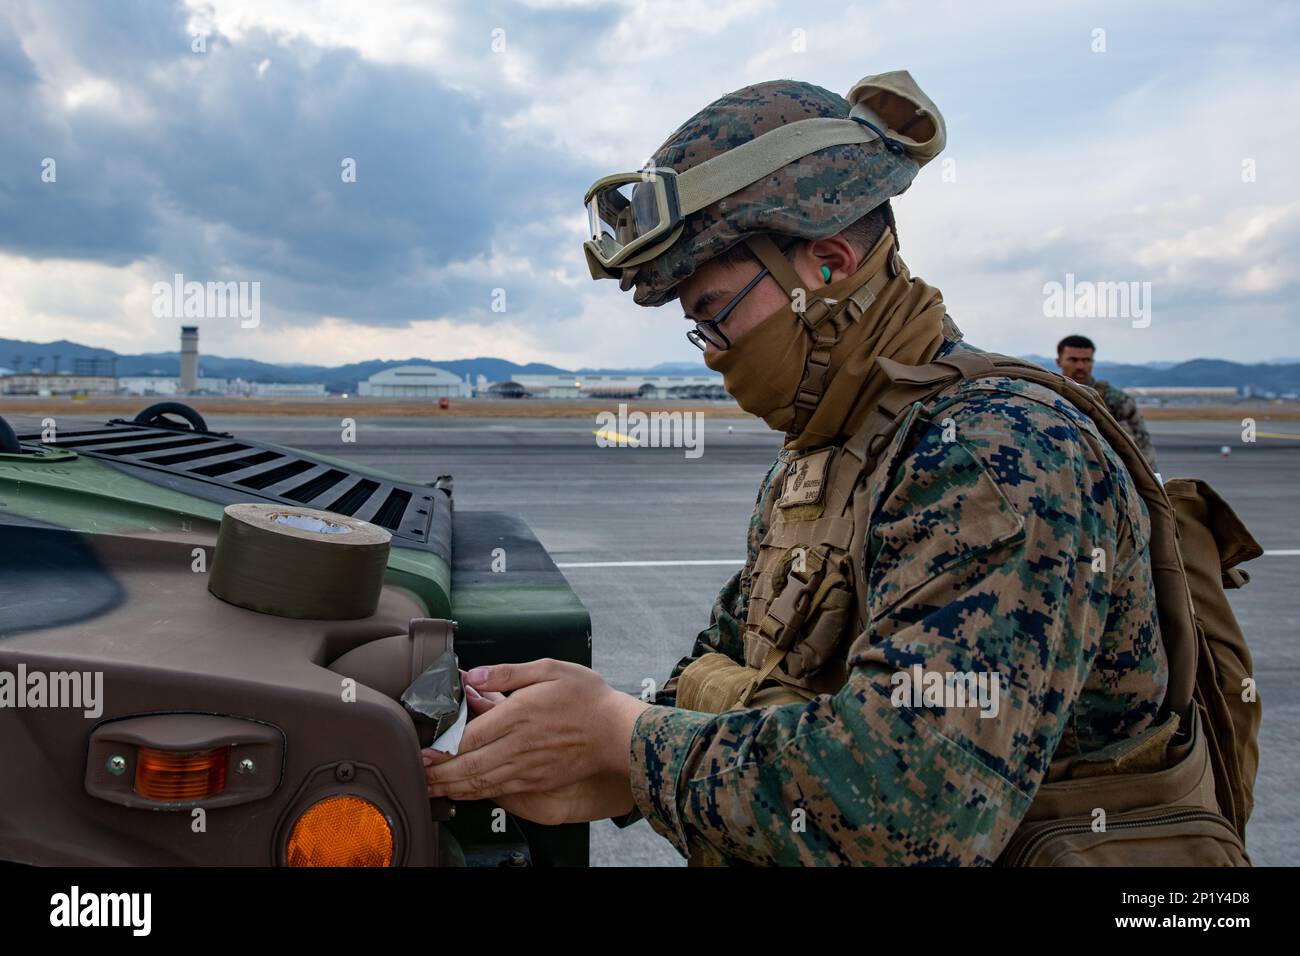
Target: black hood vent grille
[(241, 470)]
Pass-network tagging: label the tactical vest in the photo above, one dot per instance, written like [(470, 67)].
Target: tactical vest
[(1179, 793)]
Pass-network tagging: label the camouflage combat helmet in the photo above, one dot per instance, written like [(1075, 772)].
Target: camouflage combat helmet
[(782, 157)]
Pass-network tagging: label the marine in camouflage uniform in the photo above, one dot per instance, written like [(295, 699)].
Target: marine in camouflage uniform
[(987, 516), (1074, 357), (1078, 652)]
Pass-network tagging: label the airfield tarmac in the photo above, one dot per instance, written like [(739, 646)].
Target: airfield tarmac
[(647, 536)]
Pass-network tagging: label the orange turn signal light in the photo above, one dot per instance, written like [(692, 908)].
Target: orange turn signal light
[(175, 777), (342, 830)]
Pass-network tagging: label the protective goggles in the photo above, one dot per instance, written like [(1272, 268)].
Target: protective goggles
[(631, 217), (634, 217)]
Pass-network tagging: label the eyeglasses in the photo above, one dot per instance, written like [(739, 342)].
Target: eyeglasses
[(708, 331)]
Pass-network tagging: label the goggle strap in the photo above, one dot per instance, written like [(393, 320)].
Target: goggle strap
[(732, 171), (656, 249)]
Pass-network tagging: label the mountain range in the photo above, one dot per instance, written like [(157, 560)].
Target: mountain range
[(1280, 376)]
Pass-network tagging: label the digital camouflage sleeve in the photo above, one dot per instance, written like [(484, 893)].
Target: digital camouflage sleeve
[(1051, 590), (1125, 411)]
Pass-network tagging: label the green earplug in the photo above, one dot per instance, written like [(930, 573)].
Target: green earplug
[(826, 273)]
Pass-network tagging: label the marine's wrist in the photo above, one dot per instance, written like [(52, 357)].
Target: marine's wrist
[(620, 713)]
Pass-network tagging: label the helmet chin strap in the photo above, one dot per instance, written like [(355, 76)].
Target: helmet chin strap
[(817, 311), (783, 272)]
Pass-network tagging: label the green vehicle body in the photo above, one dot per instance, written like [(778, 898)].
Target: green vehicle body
[(106, 533)]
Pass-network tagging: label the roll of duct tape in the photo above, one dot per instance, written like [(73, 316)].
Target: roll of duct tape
[(299, 562)]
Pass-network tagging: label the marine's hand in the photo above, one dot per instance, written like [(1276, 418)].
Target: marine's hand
[(596, 798), (560, 738), (479, 703)]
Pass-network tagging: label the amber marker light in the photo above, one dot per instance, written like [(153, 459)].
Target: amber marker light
[(341, 830), (173, 777)]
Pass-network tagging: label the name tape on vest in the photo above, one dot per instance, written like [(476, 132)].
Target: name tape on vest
[(806, 480)]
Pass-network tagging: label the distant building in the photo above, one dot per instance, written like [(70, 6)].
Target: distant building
[(288, 390), (147, 385), (57, 383), (414, 381), (1184, 394), (654, 387), (169, 385), (1185, 391)]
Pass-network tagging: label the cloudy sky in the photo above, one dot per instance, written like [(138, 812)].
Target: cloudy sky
[(1113, 141)]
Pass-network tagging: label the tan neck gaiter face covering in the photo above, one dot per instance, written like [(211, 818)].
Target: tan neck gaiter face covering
[(764, 368)]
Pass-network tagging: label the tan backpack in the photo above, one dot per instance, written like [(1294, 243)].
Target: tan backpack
[(1177, 795), (1180, 794)]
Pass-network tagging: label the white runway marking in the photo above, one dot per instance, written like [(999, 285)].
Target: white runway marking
[(684, 564), (642, 564)]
